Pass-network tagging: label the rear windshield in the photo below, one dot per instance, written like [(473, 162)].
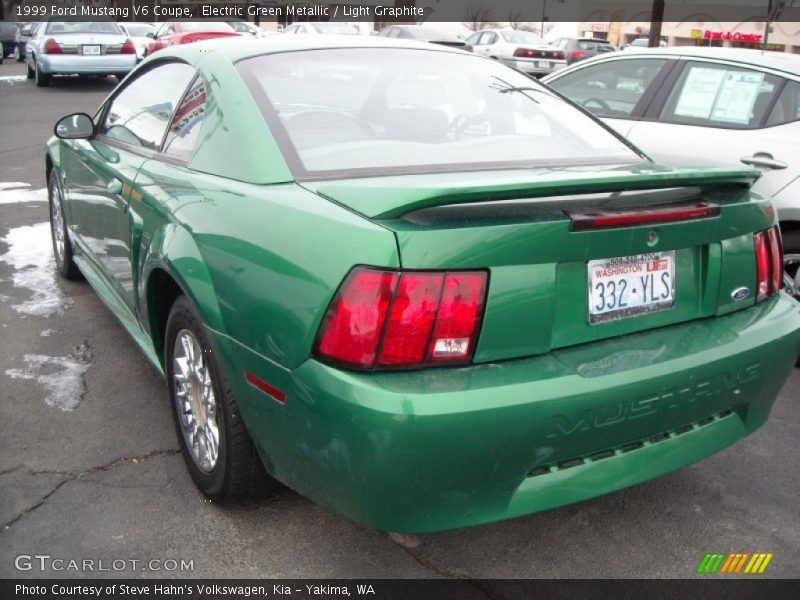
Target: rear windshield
[(380, 111), (425, 33), (55, 27), (593, 45), (522, 37)]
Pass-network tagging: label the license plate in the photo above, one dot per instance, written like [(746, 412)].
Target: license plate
[(90, 50), (543, 64), (631, 285)]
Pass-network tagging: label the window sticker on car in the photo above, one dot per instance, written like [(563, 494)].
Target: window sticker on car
[(737, 96), (699, 92), (719, 95)]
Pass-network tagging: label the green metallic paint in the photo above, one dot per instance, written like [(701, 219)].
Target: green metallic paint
[(391, 197), (233, 144), (261, 256), (443, 448)]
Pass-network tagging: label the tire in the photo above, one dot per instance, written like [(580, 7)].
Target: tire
[(42, 79), (29, 72), (62, 247), (236, 472), (18, 54)]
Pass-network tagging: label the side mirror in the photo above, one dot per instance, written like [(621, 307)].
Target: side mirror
[(75, 127), (151, 35)]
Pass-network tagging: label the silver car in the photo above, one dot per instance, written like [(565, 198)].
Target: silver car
[(522, 50), (79, 48), (139, 34)]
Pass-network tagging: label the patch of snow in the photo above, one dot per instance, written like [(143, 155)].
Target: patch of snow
[(30, 253), (12, 79), (62, 376), (47, 332), (13, 192)]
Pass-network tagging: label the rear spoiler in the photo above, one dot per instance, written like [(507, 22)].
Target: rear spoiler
[(393, 196)]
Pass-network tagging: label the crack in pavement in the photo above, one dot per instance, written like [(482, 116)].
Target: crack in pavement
[(444, 571), (72, 476)]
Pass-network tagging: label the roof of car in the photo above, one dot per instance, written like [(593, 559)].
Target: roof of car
[(238, 48), (780, 61)]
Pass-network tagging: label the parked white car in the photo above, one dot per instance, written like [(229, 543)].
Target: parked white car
[(522, 50), (138, 32), (97, 48), (705, 106)]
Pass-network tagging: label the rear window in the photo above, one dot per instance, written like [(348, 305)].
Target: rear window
[(396, 110), (55, 27), (341, 28), (522, 37), (594, 45)]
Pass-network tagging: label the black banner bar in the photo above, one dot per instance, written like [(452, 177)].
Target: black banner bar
[(716, 588)]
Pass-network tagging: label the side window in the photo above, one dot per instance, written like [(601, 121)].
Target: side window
[(787, 108), (184, 129), (610, 89), (719, 96), (139, 114), (489, 38)]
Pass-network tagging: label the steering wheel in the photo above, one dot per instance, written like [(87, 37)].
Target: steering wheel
[(460, 124), (597, 101)]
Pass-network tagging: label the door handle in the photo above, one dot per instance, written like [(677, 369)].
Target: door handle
[(765, 160), (115, 186)]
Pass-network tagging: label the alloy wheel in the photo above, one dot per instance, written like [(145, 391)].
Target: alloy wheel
[(791, 274), (57, 219), (195, 401)]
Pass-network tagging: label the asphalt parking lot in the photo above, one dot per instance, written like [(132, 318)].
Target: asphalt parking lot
[(89, 463)]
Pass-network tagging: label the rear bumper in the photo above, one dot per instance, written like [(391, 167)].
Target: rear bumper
[(74, 64), (532, 66), (439, 449)]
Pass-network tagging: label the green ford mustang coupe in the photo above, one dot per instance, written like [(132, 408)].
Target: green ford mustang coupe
[(415, 285)]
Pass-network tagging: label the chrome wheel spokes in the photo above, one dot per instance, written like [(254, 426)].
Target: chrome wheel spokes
[(59, 232), (791, 274), (195, 401)]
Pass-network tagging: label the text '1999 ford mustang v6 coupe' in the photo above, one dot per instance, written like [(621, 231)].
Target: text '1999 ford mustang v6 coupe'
[(415, 285)]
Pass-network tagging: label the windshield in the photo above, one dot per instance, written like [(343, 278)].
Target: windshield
[(380, 110), (139, 30), (192, 26), (55, 27), (522, 37)]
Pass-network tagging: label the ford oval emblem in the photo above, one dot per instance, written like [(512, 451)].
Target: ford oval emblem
[(740, 293)]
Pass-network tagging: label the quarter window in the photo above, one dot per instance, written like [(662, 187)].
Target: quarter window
[(184, 130), (140, 113), (610, 89), (714, 95), (787, 108)]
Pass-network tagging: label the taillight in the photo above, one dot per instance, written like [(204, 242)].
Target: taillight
[(577, 54), (51, 47), (128, 47), (524, 53), (403, 319), (558, 55), (769, 263)]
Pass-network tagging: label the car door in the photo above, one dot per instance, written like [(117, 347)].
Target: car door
[(487, 42), (102, 171), (723, 114), (618, 91)]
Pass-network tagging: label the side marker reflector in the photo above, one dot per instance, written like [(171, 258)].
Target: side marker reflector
[(262, 385)]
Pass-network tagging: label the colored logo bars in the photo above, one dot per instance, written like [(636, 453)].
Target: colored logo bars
[(735, 563)]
